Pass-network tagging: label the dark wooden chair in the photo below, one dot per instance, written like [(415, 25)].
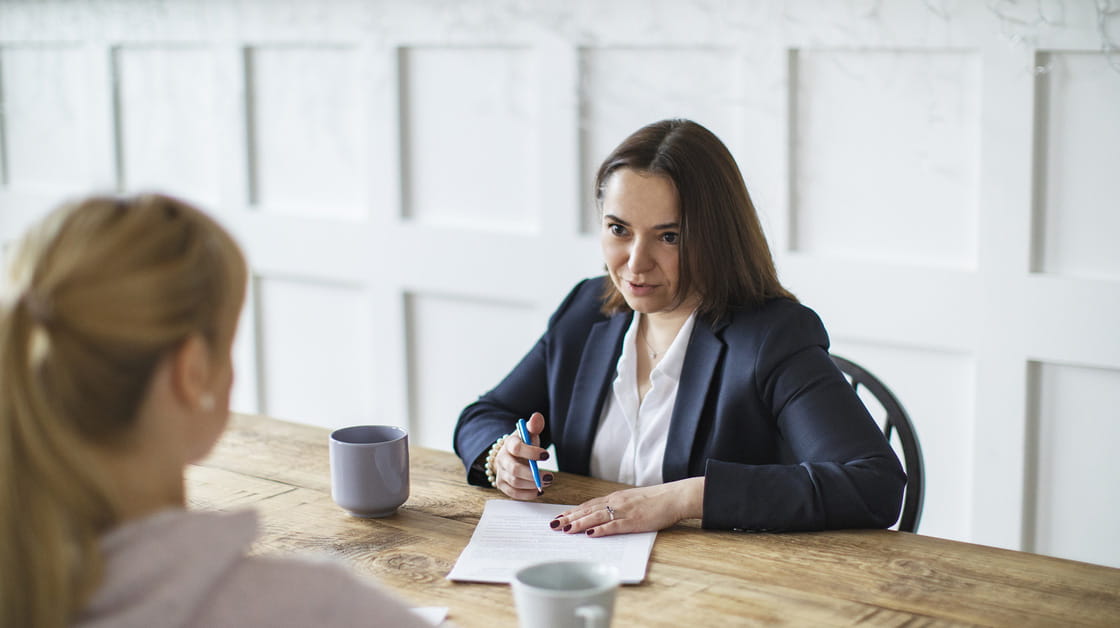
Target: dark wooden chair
[(897, 422)]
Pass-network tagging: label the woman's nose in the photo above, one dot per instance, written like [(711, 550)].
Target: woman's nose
[(640, 258)]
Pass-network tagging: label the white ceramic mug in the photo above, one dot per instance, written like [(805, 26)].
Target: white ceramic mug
[(565, 594)]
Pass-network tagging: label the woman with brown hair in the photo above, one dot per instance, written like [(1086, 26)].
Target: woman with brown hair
[(688, 370), (115, 373)]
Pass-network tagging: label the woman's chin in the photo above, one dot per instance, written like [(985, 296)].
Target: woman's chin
[(646, 305)]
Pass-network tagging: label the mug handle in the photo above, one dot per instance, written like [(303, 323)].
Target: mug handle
[(592, 616)]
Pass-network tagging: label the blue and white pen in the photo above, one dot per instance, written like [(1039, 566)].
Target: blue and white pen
[(523, 430)]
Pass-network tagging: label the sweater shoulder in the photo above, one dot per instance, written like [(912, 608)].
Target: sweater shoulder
[(281, 591)]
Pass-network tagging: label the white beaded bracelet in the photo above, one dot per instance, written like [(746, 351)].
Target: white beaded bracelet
[(491, 475)]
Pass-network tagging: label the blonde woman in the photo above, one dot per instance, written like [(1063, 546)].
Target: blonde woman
[(115, 373)]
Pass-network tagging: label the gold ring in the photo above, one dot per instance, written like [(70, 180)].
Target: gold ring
[(610, 511)]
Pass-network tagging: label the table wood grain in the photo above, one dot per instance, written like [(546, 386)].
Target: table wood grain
[(695, 577)]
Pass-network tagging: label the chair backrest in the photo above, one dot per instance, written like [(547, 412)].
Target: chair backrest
[(898, 422)]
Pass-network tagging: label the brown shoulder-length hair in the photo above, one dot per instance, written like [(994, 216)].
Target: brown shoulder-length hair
[(724, 257)]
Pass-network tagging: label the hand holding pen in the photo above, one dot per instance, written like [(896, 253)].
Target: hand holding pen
[(523, 431), (515, 464)]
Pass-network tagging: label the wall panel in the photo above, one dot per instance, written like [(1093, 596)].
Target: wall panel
[(907, 124), (246, 387), (307, 130), (45, 119), (1077, 228), (315, 352), (1075, 429), (468, 132), (459, 348), (168, 120)]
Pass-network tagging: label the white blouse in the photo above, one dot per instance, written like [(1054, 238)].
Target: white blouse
[(630, 443)]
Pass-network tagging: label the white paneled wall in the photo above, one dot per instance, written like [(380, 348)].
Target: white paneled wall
[(1076, 166), (484, 98), (167, 117), (456, 346), (908, 123), (45, 122), (1069, 446), (315, 350), (410, 181), (307, 131)]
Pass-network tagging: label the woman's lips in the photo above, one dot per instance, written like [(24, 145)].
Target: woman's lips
[(640, 289)]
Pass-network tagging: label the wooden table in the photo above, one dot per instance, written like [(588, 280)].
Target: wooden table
[(695, 578)]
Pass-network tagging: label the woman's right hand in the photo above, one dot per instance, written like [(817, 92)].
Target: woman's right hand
[(512, 474)]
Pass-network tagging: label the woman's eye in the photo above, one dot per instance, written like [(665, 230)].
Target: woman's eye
[(671, 237), (616, 229)]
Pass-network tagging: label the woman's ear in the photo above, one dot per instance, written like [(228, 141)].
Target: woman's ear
[(190, 374)]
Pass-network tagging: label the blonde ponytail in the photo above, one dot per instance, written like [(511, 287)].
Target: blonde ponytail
[(98, 292)]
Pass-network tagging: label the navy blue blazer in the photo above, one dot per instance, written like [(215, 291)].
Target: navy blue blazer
[(782, 440)]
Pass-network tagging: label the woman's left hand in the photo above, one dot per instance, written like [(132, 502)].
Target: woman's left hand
[(644, 509)]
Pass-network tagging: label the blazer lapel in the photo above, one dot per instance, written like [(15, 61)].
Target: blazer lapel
[(596, 370), (705, 350)]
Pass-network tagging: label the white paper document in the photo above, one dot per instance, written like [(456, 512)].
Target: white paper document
[(513, 534)]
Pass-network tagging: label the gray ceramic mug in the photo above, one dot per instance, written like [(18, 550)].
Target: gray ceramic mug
[(369, 469)]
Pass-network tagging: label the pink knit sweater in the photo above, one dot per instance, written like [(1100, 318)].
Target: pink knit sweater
[(184, 568)]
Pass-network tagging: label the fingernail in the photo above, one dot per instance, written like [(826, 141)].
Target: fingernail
[(567, 527), (591, 532), (544, 455), (539, 492), (548, 477), (558, 516), (555, 523)]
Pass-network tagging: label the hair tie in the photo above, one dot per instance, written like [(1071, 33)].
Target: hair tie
[(38, 308)]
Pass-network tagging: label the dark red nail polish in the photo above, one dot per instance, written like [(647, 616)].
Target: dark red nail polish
[(548, 477), (554, 523), (544, 455), (539, 492), (567, 527), (591, 532)]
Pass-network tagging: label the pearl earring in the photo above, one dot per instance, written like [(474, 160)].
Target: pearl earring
[(206, 402)]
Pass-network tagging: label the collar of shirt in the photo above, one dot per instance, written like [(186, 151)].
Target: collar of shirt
[(672, 363), (630, 441)]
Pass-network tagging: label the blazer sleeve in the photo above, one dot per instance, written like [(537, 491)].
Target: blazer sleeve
[(839, 470), (523, 391)]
